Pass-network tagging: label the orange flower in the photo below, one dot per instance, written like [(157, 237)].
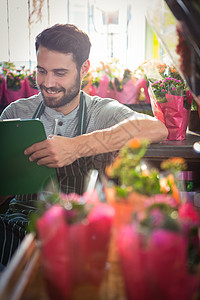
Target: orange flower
[(178, 160), (109, 169), (165, 188), (176, 163), (134, 143), (175, 191)]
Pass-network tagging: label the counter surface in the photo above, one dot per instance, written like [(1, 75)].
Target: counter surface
[(175, 148)]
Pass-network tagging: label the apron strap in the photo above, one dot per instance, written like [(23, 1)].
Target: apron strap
[(39, 111), (82, 114)]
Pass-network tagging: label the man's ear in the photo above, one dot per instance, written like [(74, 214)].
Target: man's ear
[(85, 68)]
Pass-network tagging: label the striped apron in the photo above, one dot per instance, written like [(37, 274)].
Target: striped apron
[(71, 179)]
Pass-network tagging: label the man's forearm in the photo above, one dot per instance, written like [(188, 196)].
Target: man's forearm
[(114, 138), (59, 151)]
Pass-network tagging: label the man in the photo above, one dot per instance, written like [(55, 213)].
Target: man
[(83, 132)]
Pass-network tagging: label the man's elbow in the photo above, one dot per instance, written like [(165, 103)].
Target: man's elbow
[(162, 131)]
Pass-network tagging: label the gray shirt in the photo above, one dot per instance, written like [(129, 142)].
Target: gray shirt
[(101, 114)]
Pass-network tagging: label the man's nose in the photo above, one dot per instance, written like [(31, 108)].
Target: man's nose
[(49, 80)]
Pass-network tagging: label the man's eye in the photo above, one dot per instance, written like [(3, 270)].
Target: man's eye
[(60, 74), (40, 71)]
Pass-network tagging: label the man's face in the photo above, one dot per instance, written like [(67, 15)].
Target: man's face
[(57, 77)]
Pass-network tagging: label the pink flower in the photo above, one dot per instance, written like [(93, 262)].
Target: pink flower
[(188, 212), (163, 90), (173, 88), (161, 84)]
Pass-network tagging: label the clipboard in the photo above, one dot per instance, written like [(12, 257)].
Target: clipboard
[(17, 174)]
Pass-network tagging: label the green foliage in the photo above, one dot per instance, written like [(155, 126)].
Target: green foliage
[(13, 75), (76, 208)]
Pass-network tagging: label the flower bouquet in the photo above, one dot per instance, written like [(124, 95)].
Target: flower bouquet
[(127, 89), (171, 98), (111, 81), (31, 86), (156, 239), (131, 181), (2, 87), (131, 186), (15, 86), (159, 253), (74, 232)]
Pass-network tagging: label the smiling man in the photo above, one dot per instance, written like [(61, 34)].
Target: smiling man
[(83, 132)]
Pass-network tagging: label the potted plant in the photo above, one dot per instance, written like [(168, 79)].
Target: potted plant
[(170, 98), (31, 86), (15, 86)]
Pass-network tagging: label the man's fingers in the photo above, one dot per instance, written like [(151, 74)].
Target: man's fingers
[(38, 155), (35, 147)]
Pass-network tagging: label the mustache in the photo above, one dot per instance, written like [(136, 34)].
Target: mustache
[(52, 89)]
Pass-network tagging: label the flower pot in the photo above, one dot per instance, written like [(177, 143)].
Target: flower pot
[(13, 95), (125, 207), (30, 90), (173, 114), (2, 87)]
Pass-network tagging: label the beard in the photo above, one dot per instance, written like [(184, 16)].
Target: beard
[(68, 95)]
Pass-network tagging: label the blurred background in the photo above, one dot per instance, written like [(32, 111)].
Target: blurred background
[(117, 28)]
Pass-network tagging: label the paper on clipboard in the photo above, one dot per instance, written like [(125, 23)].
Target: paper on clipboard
[(17, 174)]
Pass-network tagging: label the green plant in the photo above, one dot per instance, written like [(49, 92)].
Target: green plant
[(132, 173), (119, 84), (77, 208), (32, 79), (13, 75)]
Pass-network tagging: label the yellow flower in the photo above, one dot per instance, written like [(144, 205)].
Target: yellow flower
[(174, 163)]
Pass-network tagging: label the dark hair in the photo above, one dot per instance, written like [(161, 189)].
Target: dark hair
[(65, 38)]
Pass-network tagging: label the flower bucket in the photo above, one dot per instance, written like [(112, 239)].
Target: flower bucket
[(155, 267), (74, 256), (102, 89), (12, 95), (173, 114), (2, 87), (129, 94), (30, 90), (124, 207)]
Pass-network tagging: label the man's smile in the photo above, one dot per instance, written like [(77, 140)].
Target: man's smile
[(52, 91)]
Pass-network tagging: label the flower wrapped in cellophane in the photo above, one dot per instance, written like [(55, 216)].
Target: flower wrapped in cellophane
[(74, 236), (160, 254), (155, 234), (170, 96)]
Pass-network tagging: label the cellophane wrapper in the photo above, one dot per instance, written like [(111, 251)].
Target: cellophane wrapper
[(170, 97), (156, 264), (2, 87), (173, 114), (128, 95), (155, 267), (176, 26), (11, 95), (74, 256)]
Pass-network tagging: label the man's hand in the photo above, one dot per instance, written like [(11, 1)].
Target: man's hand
[(58, 151), (54, 152)]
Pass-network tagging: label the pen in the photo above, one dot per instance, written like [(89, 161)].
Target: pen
[(55, 126)]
